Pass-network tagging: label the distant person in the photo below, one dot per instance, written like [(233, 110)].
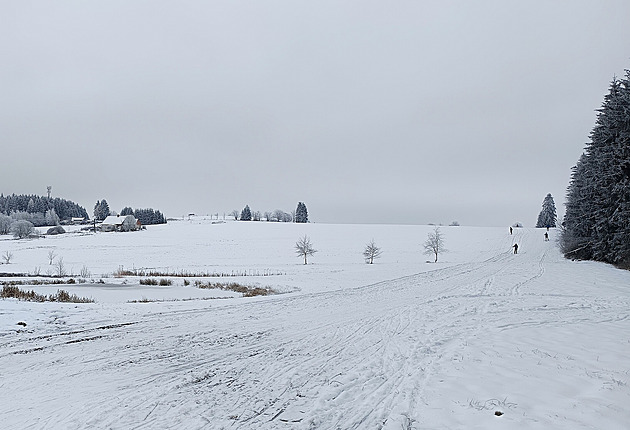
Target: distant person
[(515, 246), (546, 237), (510, 230)]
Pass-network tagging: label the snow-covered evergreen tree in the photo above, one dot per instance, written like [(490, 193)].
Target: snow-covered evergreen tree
[(598, 197), (126, 211), (547, 216), (149, 216), (101, 210), (246, 214), (301, 214)]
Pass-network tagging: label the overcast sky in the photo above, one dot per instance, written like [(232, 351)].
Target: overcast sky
[(368, 111)]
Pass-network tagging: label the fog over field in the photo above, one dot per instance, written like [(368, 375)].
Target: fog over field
[(409, 112)]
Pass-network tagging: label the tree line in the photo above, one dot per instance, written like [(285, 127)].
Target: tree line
[(33, 204), (147, 216), (596, 224), (299, 215)]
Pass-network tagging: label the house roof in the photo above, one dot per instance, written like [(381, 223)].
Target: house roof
[(117, 219)]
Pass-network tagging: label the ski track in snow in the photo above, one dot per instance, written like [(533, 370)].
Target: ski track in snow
[(389, 355)]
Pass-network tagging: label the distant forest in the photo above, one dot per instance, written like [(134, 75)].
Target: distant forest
[(32, 204)]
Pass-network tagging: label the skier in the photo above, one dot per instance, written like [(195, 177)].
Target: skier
[(510, 230), (515, 246), (546, 237)]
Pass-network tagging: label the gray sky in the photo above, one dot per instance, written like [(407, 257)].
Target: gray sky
[(368, 111)]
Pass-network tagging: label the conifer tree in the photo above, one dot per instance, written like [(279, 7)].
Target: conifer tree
[(246, 214), (547, 216), (101, 210), (301, 214), (598, 197), (126, 211)]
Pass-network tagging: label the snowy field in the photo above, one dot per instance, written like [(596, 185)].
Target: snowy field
[(401, 344)]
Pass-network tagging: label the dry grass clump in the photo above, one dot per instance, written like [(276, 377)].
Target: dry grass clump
[(62, 296), (189, 274), (152, 281), (42, 282), (245, 290)]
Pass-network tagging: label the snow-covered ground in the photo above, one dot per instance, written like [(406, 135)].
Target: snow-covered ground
[(401, 344)]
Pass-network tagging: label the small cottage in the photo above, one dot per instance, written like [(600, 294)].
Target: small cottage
[(119, 223)]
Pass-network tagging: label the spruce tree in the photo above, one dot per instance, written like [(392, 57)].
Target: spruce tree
[(246, 214), (598, 197), (101, 210), (301, 214), (547, 217), (104, 208)]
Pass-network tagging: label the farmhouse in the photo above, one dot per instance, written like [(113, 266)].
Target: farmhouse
[(119, 223)]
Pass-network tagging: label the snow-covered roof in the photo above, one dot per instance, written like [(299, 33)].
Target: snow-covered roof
[(117, 219)]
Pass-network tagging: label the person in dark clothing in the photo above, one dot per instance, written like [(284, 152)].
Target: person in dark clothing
[(515, 246), (546, 237), (510, 230)]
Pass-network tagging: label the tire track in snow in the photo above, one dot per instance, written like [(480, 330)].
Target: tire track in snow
[(357, 358)]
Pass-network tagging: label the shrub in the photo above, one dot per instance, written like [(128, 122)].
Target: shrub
[(245, 290), (12, 291), (22, 229), (65, 297), (56, 230), (148, 281)]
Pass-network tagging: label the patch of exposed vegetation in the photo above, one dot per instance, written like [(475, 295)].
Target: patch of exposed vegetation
[(145, 300), (188, 274), (245, 290), (44, 282), (164, 282), (62, 296)]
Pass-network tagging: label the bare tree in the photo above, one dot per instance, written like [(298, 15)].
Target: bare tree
[(235, 214), (267, 215), (51, 256), (129, 223), (371, 252), (304, 248), (85, 272), (434, 243), (278, 215), (281, 216), (60, 268), (7, 257)]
